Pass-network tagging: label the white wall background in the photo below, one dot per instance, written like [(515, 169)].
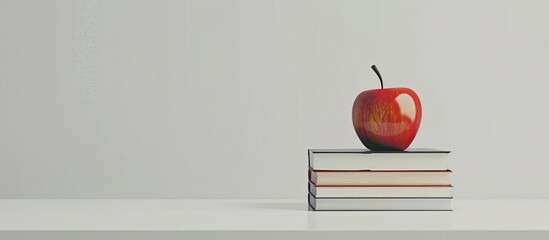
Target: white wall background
[(221, 99)]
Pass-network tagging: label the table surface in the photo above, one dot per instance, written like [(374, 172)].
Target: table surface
[(268, 215)]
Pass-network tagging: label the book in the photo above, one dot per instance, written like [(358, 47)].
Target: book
[(379, 204), (402, 191), (363, 159), (430, 178)]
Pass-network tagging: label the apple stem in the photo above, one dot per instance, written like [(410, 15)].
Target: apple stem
[(378, 75)]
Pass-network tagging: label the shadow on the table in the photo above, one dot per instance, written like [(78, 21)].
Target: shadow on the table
[(281, 206)]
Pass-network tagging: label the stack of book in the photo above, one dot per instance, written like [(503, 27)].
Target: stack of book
[(415, 179)]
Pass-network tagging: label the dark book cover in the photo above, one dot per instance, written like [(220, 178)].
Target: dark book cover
[(367, 151)]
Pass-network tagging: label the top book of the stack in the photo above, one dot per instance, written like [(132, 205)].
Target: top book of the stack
[(363, 159)]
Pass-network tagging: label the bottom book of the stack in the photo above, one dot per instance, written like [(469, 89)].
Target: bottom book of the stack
[(379, 204)]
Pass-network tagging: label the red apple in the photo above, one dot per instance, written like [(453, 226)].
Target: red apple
[(387, 118)]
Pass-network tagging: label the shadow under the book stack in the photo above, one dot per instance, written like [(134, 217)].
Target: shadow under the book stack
[(357, 220), (380, 220)]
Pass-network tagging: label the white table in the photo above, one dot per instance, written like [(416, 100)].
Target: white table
[(263, 219)]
